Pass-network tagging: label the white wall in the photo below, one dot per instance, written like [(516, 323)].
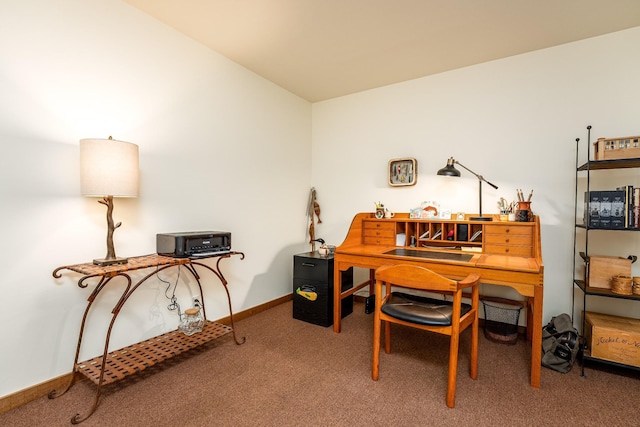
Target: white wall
[(514, 121), (220, 148)]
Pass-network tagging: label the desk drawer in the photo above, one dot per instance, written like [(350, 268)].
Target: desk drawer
[(387, 226), (379, 233), (508, 229), (380, 241), (513, 250), (507, 239), (312, 268)]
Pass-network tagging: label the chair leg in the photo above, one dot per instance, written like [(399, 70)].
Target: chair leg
[(375, 364), (473, 362), (387, 337), (453, 371)]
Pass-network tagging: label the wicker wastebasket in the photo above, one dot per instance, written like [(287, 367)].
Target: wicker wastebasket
[(501, 321)]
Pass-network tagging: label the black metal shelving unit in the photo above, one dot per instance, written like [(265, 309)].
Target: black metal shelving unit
[(586, 167)]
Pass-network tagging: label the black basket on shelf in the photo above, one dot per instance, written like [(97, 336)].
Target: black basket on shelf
[(501, 321)]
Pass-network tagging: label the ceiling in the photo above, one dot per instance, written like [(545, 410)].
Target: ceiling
[(322, 49)]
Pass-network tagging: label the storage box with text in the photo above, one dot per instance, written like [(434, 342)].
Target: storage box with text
[(613, 338)]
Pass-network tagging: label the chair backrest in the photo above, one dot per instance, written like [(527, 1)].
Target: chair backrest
[(417, 277)]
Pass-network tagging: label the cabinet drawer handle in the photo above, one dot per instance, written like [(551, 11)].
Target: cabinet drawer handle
[(378, 225), (506, 250), (507, 230), (506, 240), (308, 264)]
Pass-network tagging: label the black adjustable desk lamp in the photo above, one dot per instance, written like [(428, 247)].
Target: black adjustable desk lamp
[(450, 170)]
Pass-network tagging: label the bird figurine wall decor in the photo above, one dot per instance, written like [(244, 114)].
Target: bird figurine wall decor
[(313, 211)]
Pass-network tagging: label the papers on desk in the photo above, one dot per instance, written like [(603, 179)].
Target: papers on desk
[(425, 235), (471, 249), (441, 247), (475, 235)]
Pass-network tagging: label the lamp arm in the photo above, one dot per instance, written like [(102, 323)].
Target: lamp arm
[(480, 177)]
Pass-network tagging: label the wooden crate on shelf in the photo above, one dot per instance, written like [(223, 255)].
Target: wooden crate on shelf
[(601, 269), (613, 338), (626, 147)]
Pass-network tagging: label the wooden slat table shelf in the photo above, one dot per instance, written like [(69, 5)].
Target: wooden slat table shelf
[(138, 357), (116, 365)]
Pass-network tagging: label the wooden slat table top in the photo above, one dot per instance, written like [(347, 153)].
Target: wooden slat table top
[(134, 263)]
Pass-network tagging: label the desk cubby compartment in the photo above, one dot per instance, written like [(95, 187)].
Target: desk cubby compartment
[(449, 233), (430, 231), (313, 289)]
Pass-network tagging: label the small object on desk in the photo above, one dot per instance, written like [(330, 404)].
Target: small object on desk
[(523, 214), (323, 250), (379, 210), (504, 208), (430, 209), (415, 213)]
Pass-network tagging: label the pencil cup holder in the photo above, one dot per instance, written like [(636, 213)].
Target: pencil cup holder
[(523, 214)]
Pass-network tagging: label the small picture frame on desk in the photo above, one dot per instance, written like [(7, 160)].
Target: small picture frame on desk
[(445, 214), (402, 172)]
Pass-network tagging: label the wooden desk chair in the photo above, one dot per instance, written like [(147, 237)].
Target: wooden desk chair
[(435, 315)]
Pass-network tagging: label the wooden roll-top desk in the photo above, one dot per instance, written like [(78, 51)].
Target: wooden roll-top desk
[(502, 253)]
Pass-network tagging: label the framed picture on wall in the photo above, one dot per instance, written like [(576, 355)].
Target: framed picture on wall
[(402, 172)]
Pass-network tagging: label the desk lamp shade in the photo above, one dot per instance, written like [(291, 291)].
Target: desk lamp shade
[(450, 170), (108, 169)]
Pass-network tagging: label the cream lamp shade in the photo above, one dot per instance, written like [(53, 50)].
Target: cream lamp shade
[(108, 167)]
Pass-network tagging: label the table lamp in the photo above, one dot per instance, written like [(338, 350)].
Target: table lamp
[(108, 169), (450, 170)]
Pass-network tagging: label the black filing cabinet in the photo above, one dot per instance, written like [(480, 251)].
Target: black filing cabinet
[(313, 288)]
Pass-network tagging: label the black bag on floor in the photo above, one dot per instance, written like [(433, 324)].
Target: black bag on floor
[(560, 344)]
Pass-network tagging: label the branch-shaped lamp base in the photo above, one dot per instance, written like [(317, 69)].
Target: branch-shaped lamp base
[(111, 257)]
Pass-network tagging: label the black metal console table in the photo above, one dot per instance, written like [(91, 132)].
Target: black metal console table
[(116, 365)]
